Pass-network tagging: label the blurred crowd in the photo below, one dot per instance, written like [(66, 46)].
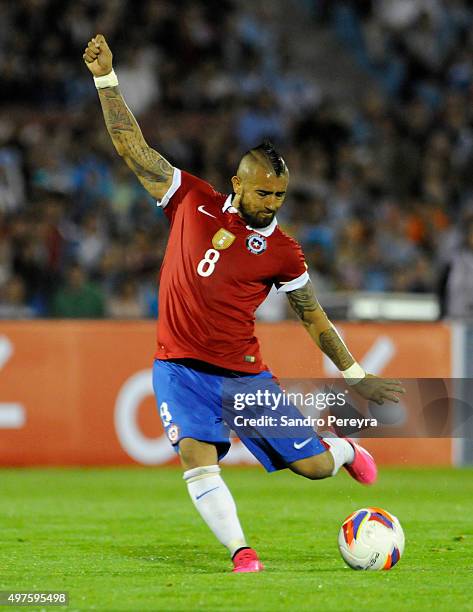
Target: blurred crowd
[(381, 188)]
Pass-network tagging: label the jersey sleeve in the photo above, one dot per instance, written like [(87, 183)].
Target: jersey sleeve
[(293, 273), (182, 184)]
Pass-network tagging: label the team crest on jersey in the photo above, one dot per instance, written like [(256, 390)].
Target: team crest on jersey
[(173, 434), (222, 239), (256, 244)]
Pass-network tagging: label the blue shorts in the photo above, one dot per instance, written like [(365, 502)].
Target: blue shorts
[(199, 405)]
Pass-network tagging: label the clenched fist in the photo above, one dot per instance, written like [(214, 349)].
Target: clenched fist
[(98, 57)]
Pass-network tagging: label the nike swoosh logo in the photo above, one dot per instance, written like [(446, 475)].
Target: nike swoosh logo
[(302, 444), (205, 493), (202, 210)]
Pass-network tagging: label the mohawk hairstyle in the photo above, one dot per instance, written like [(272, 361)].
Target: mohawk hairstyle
[(273, 157)]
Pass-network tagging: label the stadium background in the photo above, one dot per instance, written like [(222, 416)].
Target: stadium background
[(370, 102)]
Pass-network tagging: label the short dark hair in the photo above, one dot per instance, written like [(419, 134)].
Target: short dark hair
[(273, 156)]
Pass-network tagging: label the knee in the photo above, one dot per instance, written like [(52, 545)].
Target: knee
[(194, 453), (316, 467), (189, 453)]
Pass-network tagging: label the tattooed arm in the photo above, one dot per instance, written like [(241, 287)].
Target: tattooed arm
[(153, 171), (314, 319)]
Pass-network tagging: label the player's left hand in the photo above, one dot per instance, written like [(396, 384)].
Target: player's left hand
[(379, 390)]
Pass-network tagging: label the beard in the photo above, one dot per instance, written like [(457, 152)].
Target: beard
[(256, 220)]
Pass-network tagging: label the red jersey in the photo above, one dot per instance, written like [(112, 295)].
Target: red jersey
[(216, 272)]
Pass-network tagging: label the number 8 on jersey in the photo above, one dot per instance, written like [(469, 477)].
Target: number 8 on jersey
[(207, 264)]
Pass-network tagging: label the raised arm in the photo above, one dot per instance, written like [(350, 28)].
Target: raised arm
[(152, 169), (324, 334)]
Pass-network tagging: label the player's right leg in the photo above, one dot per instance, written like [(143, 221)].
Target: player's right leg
[(190, 409), (214, 501)]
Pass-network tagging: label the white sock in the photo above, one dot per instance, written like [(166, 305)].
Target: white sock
[(215, 504), (341, 451)]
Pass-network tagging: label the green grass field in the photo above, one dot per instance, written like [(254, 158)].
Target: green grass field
[(130, 539)]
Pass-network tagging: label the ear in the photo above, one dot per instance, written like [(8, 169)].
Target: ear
[(236, 184)]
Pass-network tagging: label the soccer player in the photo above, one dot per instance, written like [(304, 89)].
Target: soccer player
[(224, 254)]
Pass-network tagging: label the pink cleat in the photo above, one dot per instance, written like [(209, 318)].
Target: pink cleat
[(363, 468), (245, 561)]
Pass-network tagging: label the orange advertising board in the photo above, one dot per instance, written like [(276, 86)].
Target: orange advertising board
[(401, 350), (80, 393)]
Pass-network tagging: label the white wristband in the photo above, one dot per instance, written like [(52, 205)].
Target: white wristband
[(108, 80), (353, 374)]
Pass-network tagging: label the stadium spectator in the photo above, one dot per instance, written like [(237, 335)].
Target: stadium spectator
[(78, 298), (13, 300), (125, 303), (456, 286)]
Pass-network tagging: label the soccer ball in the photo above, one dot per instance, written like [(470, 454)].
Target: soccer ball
[(371, 539)]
